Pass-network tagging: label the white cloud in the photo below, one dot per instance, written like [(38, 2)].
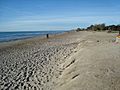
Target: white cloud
[(55, 23)]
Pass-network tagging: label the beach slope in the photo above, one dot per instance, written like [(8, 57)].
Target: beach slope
[(95, 65)]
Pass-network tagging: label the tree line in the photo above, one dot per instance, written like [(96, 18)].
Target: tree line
[(101, 27)]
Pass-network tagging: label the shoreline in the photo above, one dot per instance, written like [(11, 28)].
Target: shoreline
[(30, 37)]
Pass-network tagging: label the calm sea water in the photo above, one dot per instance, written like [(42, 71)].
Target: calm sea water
[(10, 36)]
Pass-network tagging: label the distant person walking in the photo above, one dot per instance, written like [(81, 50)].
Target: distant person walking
[(47, 35)]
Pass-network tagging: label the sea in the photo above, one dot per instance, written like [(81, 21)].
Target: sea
[(12, 36)]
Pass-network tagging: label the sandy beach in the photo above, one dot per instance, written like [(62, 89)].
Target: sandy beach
[(70, 61)]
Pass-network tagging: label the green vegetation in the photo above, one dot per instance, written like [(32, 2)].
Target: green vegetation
[(101, 27)]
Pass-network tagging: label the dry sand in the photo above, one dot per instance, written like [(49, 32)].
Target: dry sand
[(71, 61)]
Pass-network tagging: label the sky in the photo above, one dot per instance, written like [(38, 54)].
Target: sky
[(40, 15)]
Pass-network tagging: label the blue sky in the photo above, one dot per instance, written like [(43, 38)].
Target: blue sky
[(35, 15)]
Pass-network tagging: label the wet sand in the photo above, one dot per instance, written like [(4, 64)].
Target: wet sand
[(71, 61)]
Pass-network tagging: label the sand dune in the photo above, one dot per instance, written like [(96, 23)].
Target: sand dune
[(95, 66), (72, 61)]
